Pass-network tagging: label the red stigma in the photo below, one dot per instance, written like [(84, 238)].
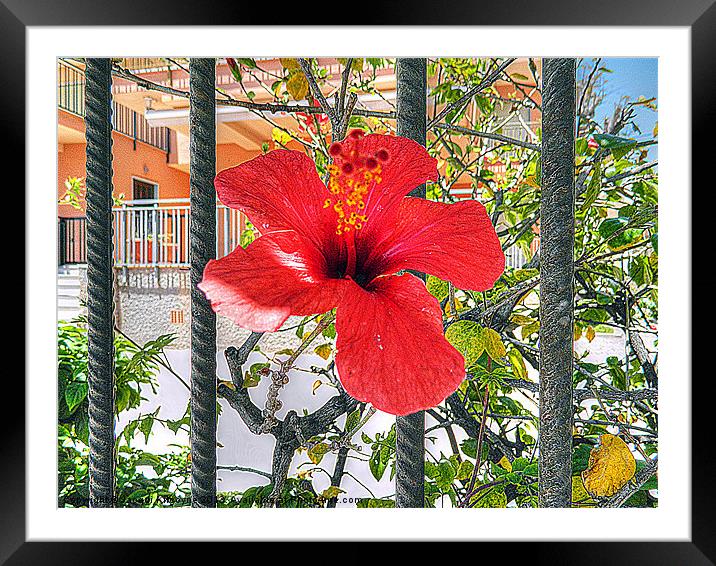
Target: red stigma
[(382, 155), (371, 163), (347, 168), (335, 149), (356, 134)]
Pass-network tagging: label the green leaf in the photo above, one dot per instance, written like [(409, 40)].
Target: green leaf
[(594, 187), (247, 62), (466, 337), (580, 458), (379, 462), (437, 287), (145, 426), (495, 497), (652, 482), (617, 145), (253, 377), (329, 331), (352, 421), (75, 393)]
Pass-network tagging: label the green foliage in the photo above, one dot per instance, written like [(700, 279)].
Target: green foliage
[(134, 366)]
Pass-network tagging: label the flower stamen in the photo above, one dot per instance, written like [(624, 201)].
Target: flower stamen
[(351, 175)]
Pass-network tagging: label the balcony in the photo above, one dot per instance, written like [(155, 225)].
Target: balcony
[(71, 98), (150, 233)]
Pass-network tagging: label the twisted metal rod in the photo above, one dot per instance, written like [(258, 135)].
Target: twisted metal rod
[(100, 327), (411, 109), (202, 248), (556, 283)]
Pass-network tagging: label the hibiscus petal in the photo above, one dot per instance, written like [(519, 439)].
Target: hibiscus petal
[(408, 166), (391, 350), (280, 190), (456, 242), (276, 276)]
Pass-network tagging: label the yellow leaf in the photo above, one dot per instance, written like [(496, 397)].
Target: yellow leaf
[(493, 344), (518, 363), (531, 180), (324, 350), (531, 328), (611, 466), (290, 64), (331, 492), (297, 85), (316, 385), (521, 320), (449, 307), (229, 384), (591, 333), (357, 64), (577, 333), (279, 136), (505, 463), (317, 451)]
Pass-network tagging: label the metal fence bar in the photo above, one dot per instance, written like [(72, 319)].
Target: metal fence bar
[(100, 303), (411, 77), (202, 248), (556, 282)]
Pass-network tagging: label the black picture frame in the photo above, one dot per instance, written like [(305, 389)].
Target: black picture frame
[(698, 15)]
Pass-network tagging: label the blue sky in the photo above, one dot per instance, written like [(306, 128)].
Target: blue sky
[(632, 77)]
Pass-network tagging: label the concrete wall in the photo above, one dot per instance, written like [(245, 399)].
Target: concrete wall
[(147, 297)]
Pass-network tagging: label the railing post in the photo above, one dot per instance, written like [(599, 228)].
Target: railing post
[(100, 303), (202, 248), (410, 430), (556, 283), (61, 241)]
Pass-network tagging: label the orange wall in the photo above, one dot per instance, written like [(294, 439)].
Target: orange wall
[(146, 162)]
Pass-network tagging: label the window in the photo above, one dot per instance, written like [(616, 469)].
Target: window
[(143, 190)]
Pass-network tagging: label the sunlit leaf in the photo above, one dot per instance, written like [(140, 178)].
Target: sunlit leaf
[(297, 85), (611, 466)]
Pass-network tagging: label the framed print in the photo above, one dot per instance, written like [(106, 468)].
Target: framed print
[(407, 268)]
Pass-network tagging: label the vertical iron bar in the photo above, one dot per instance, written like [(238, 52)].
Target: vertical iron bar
[(556, 282), (202, 246), (99, 282), (410, 430)]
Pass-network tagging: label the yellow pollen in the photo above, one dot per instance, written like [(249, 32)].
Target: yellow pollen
[(350, 183)]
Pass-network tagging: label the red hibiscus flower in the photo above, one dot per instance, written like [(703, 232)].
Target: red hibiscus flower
[(341, 246)]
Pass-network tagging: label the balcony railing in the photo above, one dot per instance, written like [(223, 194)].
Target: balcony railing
[(155, 233), (71, 98), (151, 233)]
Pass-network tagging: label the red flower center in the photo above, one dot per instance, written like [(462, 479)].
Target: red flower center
[(353, 174)]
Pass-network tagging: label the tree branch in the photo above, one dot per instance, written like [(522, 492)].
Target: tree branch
[(639, 479)]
